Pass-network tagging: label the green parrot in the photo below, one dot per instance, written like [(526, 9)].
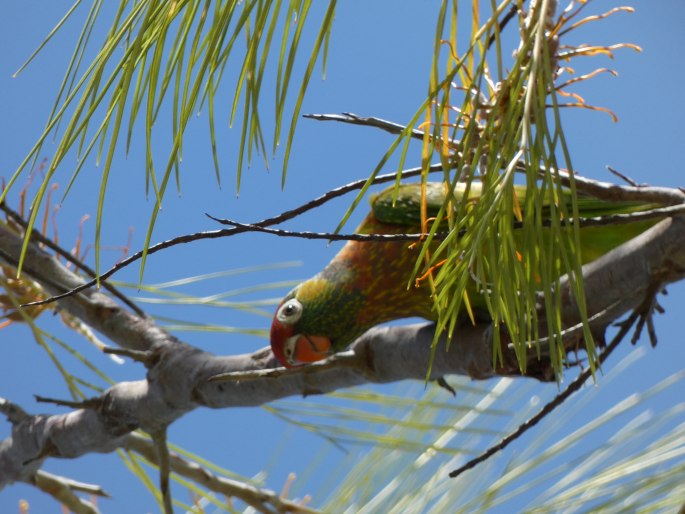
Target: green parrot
[(366, 282)]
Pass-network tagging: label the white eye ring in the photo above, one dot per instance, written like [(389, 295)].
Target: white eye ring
[(290, 312)]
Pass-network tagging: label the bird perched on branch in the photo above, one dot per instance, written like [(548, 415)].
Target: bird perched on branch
[(367, 282)]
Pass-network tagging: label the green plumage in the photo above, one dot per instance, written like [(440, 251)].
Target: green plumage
[(368, 283)]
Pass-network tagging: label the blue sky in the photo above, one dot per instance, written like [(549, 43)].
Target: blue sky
[(378, 64)]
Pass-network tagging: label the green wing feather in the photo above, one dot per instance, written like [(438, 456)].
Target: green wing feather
[(402, 205)]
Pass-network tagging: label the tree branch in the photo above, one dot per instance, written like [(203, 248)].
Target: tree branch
[(255, 497), (178, 377), (94, 308), (572, 388), (63, 490), (367, 121), (228, 232), (37, 236), (597, 188), (597, 221)]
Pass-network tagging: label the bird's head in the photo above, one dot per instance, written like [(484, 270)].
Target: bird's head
[(290, 346), (313, 321)]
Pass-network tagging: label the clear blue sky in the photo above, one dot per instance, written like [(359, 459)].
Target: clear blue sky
[(378, 62)]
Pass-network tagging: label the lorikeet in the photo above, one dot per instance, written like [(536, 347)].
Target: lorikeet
[(366, 282)]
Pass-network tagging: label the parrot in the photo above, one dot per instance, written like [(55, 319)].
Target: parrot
[(365, 284)]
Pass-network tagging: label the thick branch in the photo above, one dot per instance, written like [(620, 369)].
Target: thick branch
[(179, 382), (619, 280), (92, 307), (178, 377)]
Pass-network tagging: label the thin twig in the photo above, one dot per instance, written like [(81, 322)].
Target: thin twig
[(256, 497), (571, 332), (12, 261), (83, 404), (630, 217), (382, 238), (614, 192), (558, 399), (260, 226), (70, 258), (623, 177), (214, 234), (144, 356), (601, 190), (597, 221), (598, 189), (74, 485), (367, 121), (62, 490), (513, 10), (159, 439)]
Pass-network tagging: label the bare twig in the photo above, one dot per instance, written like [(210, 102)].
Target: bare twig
[(367, 121), (83, 404), (92, 308), (256, 497), (572, 332), (625, 326), (597, 221), (624, 177), (35, 235), (632, 217), (162, 449), (513, 10), (14, 261), (380, 238), (62, 489), (74, 485), (214, 234), (144, 356), (610, 191), (599, 189)]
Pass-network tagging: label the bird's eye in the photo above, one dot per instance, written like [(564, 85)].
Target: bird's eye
[(290, 312)]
